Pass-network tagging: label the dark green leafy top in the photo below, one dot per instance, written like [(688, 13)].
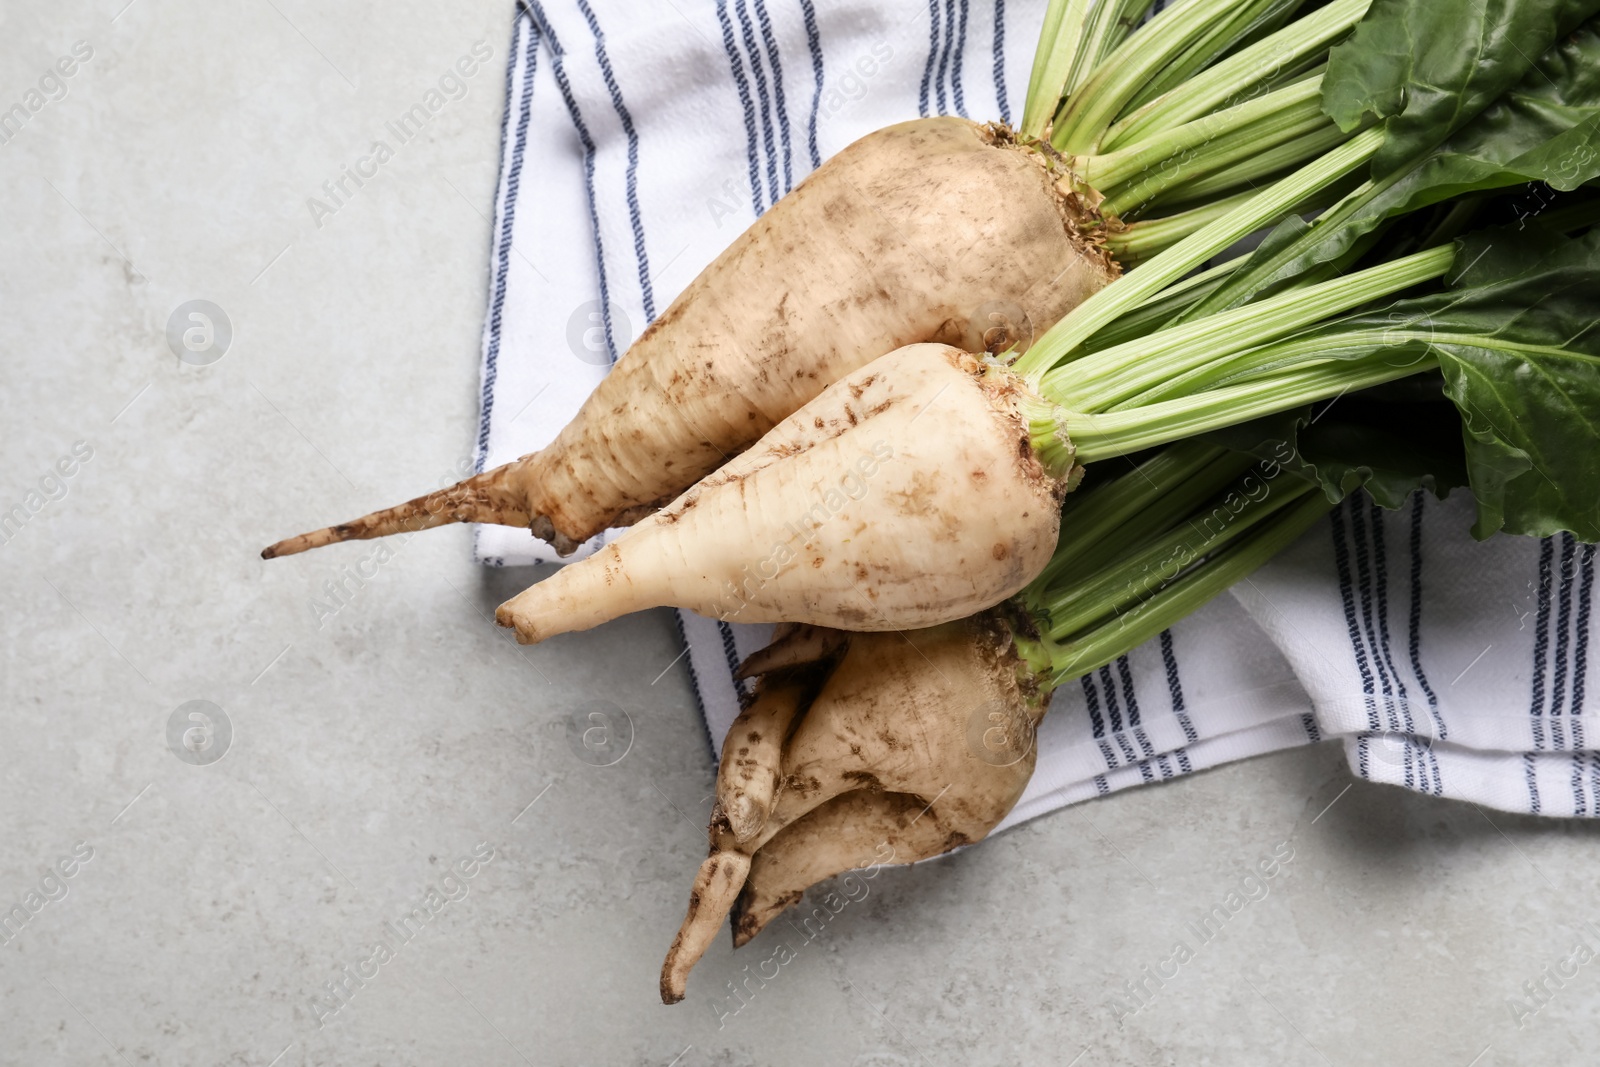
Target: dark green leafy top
[(1516, 335), (1428, 67), (1546, 128)]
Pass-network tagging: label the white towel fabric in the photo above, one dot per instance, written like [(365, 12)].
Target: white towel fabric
[(641, 138)]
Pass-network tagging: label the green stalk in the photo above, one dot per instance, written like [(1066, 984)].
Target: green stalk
[(1098, 512), (1059, 44), (1292, 72), (1255, 364), (1249, 20), (1297, 354), (1143, 239), (1118, 433), (1110, 23), (1076, 36), (1133, 579), (1096, 524), (1139, 241), (1299, 123), (1268, 163), (1103, 644), (1081, 558), (1107, 171), (1290, 357), (1243, 285), (1118, 78), (1101, 380), (1128, 292), (1153, 314), (1247, 70), (1046, 432)]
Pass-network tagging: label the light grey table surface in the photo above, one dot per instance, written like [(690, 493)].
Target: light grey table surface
[(373, 749)]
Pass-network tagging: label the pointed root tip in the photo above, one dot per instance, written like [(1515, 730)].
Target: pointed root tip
[(489, 497), (289, 546), (675, 976), (717, 885)]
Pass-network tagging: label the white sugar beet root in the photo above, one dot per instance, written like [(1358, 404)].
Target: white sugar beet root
[(875, 752), (938, 229), (905, 495)]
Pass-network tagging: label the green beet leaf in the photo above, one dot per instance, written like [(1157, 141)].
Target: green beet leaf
[(1391, 440), (1546, 128), (1518, 343), (1428, 67)]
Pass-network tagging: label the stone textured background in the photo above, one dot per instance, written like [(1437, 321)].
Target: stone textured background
[(374, 748)]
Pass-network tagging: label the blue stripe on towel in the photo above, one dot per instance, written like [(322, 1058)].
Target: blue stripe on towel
[(1580, 653), (814, 43), (1169, 658), (944, 56), (508, 211), (558, 67), (742, 84), (1558, 675), (1000, 94), (1414, 620), (730, 652), (1097, 724), (646, 294), (1541, 642), (1341, 563), (769, 145), (1108, 690), (957, 90), (933, 51), (770, 43)]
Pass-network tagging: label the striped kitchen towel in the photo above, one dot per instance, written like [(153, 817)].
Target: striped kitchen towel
[(640, 139)]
